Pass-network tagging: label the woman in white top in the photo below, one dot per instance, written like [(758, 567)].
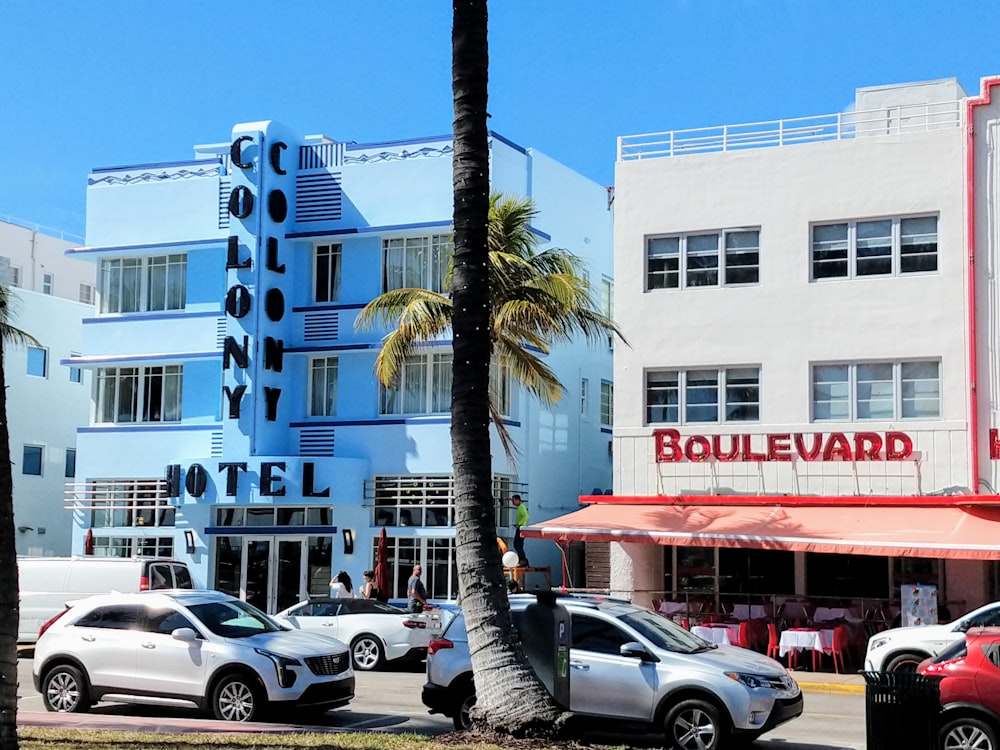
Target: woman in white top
[(340, 586)]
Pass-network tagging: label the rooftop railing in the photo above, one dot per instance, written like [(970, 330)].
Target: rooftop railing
[(895, 120)]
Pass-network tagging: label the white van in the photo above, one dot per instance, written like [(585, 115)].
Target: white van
[(47, 583)]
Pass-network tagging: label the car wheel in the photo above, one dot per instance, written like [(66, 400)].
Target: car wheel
[(461, 719), (968, 732), (64, 690), (366, 652), (904, 663), (694, 725), (237, 698)]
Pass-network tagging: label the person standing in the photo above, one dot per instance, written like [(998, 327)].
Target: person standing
[(366, 589), (340, 586), (416, 594), (520, 521)]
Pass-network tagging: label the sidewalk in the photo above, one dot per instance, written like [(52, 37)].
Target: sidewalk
[(829, 682)]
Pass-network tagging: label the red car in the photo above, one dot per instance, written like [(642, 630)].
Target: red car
[(970, 690)]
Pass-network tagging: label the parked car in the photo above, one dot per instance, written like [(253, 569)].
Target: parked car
[(634, 668), (376, 632), (200, 648), (444, 608), (902, 649), (47, 583), (970, 690)]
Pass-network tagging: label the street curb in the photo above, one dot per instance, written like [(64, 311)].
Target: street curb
[(830, 687)]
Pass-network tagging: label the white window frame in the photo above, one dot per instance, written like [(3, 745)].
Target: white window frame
[(430, 270), (87, 294), (725, 256), (607, 297), (855, 384), (584, 396), (134, 546), (48, 282), (45, 362), (328, 289), (725, 384), (15, 276), (41, 460), (143, 299), (855, 239), (140, 409), (329, 368), (69, 452), (607, 403), (431, 368)]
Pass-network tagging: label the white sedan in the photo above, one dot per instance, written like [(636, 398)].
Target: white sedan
[(375, 632)]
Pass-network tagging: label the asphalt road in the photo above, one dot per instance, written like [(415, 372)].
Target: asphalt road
[(390, 701)]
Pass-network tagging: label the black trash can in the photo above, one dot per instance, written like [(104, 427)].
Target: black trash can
[(902, 711)]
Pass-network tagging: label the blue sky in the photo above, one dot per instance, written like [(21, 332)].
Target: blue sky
[(114, 82)]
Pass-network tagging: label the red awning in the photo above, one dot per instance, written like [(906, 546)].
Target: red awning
[(951, 532)]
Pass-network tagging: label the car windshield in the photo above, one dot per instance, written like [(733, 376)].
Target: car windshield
[(665, 634), (233, 619)]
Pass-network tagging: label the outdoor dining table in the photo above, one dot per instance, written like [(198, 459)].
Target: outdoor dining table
[(673, 608), (749, 611), (796, 639), (721, 633)]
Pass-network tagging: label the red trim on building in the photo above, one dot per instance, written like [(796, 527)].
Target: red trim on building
[(855, 501)]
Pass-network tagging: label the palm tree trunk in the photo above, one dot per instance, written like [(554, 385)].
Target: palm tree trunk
[(510, 698), (8, 582)]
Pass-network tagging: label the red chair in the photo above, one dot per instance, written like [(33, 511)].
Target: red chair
[(743, 639), (841, 646), (773, 642), (685, 624)]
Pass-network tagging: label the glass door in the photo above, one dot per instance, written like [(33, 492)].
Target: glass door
[(274, 572)]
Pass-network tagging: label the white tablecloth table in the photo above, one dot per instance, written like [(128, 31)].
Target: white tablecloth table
[(673, 608), (814, 639), (749, 611), (725, 635)]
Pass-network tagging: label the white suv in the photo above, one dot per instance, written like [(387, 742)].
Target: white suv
[(902, 649), (183, 648)]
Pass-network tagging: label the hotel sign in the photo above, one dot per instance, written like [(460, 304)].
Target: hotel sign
[(671, 446)]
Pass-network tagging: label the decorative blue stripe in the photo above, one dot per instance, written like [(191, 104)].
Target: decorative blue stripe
[(324, 306), (143, 317), (113, 358), (269, 530), (384, 421), (150, 246), (369, 230), (607, 431), (161, 165), (509, 142), (147, 427)]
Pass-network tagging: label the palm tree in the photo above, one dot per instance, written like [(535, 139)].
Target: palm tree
[(8, 557), (537, 300)]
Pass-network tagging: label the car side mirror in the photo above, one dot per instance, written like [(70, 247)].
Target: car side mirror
[(184, 634), (963, 627), (635, 650)]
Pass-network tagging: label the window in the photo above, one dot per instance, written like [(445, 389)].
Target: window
[(139, 394), (607, 403), (689, 260), (166, 621), (132, 546), (128, 502), (15, 276), (691, 396), (38, 362), (112, 617), (882, 247), (70, 470), (584, 395), (47, 281), (424, 387), (75, 375), (428, 500), (326, 273), (143, 284), (32, 461), (416, 262), (592, 634), (878, 390), (500, 391), (607, 298), (323, 387), (87, 294)]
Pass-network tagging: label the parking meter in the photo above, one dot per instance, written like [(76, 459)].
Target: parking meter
[(546, 637)]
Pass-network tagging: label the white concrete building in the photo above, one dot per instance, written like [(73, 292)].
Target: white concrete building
[(807, 406), (46, 401)]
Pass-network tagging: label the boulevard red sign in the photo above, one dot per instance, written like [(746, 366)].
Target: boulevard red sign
[(783, 446)]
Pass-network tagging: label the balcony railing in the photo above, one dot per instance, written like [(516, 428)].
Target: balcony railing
[(896, 120)]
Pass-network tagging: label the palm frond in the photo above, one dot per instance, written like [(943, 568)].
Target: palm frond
[(10, 306), (530, 371)]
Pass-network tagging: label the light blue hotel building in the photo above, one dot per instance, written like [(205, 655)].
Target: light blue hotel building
[(237, 424)]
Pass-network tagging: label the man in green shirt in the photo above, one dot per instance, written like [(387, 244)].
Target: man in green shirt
[(520, 520)]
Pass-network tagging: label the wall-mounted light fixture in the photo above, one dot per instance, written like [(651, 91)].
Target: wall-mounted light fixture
[(348, 541), (189, 542), (24, 529)]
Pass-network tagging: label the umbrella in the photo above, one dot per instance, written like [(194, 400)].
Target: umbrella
[(88, 542), (382, 575)]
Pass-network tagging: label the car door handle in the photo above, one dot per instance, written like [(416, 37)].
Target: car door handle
[(328, 624), (147, 644), (88, 638), (579, 665)]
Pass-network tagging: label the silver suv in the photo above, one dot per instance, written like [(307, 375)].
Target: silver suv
[(183, 648), (631, 665)]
